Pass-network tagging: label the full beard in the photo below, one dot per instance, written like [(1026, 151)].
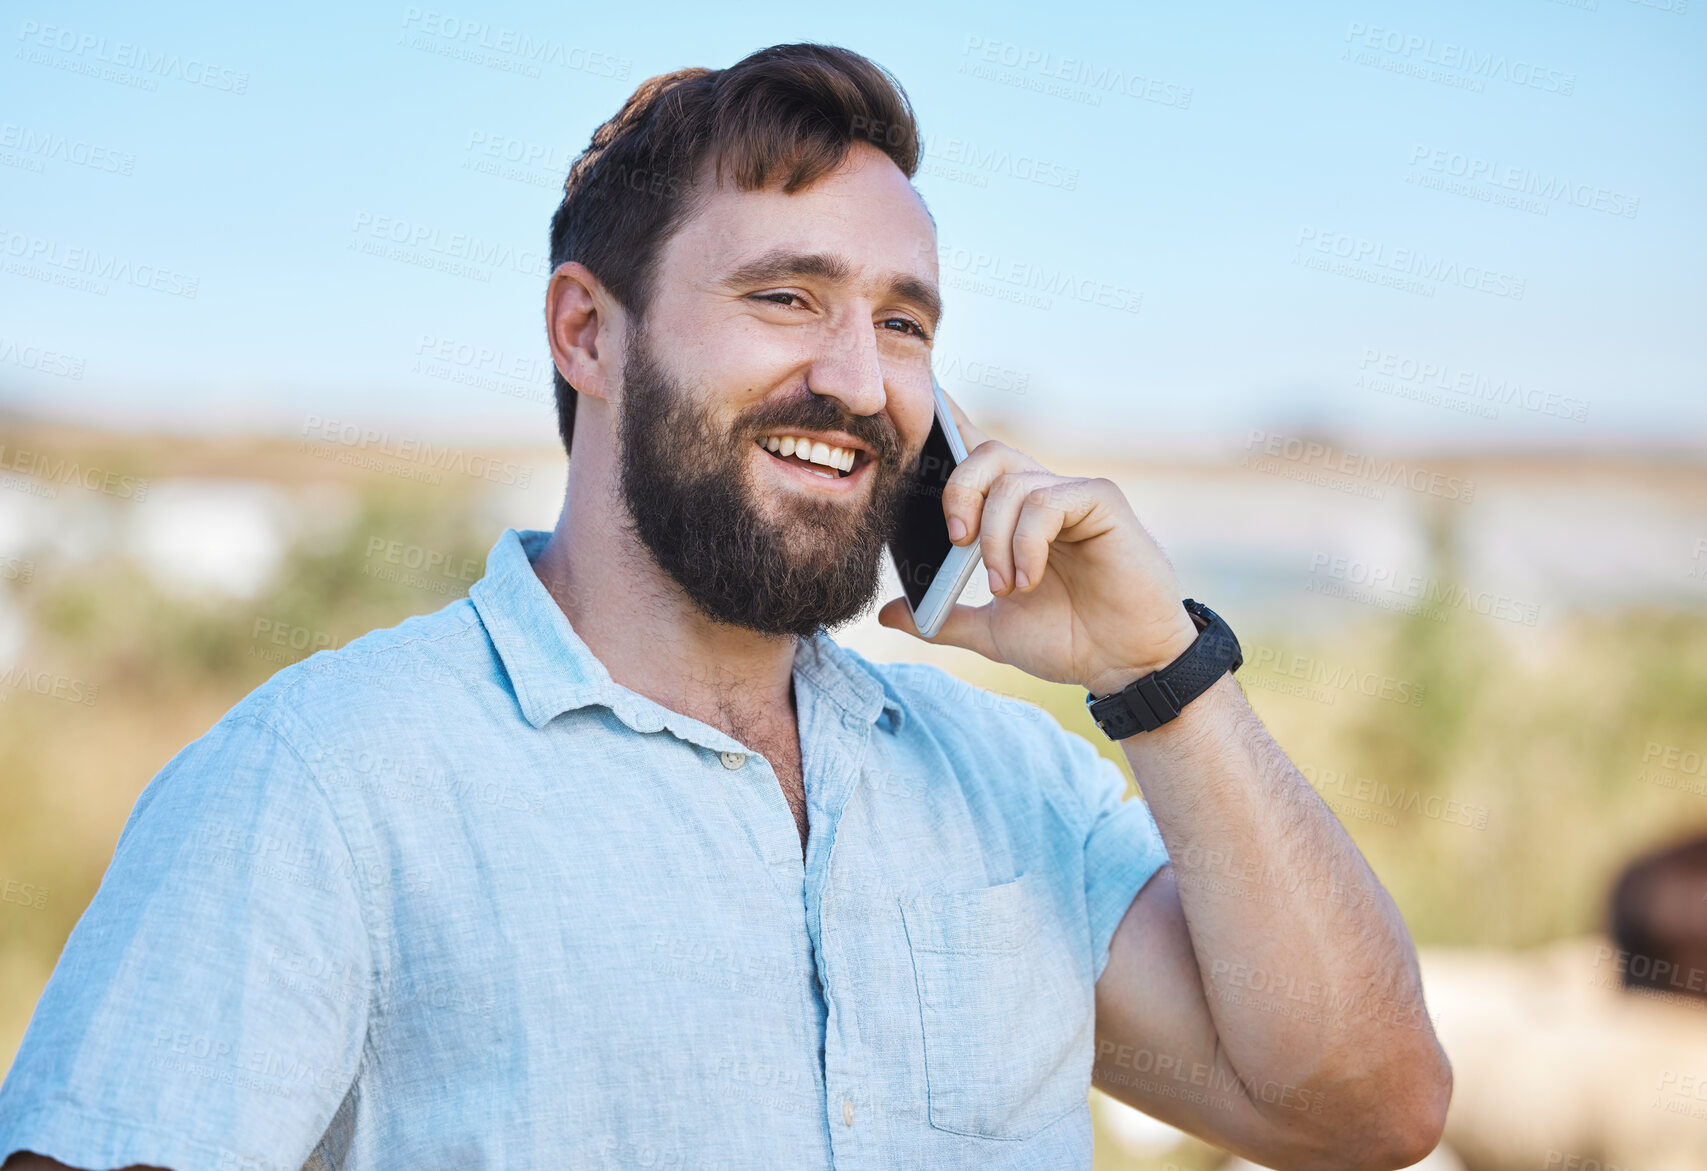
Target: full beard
[(686, 488)]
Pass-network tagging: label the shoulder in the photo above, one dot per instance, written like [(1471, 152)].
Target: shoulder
[(386, 695), (381, 678), (263, 765)]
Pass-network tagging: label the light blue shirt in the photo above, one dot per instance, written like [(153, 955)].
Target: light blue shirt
[(450, 897)]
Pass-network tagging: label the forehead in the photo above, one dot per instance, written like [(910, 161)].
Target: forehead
[(865, 211)]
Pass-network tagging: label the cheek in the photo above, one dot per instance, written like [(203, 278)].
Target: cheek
[(746, 362), (913, 408)]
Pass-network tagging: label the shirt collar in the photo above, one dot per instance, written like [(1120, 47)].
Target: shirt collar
[(553, 671)]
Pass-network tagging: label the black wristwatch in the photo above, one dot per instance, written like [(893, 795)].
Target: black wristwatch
[(1150, 702)]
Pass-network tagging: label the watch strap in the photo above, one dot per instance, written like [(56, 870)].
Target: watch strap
[(1148, 703)]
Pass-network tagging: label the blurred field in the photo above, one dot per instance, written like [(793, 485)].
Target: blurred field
[(1538, 734)]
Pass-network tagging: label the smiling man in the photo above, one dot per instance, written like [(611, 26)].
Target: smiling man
[(622, 861)]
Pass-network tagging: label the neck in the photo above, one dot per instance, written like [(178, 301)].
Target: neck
[(637, 621)]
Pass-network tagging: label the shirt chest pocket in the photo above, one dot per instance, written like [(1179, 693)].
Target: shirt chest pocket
[(1008, 1015)]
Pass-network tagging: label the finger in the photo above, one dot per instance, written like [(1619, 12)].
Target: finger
[(1042, 514), (1002, 505), (963, 493)]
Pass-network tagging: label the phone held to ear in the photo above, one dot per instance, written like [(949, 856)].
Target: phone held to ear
[(932, 568)]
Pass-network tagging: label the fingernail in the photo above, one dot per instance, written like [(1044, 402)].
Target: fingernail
[(1020, 579), (995, 582), (956, 528)]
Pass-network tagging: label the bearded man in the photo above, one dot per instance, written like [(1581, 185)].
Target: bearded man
[(623, 862)]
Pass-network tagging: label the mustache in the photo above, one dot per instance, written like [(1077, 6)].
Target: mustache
[(818, 412)]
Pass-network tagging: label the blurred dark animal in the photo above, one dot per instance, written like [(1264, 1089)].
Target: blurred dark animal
[(1659, 920)]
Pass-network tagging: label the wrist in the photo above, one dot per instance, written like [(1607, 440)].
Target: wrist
[(1112, 679), (1160, 695)]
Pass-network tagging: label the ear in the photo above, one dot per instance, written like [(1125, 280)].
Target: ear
[(585, 327)]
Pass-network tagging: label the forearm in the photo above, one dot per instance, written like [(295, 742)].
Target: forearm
[(1307, 969), (1082, 594)]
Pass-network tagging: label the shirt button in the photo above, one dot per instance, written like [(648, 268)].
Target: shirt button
[(734, 759), (847, 1111)]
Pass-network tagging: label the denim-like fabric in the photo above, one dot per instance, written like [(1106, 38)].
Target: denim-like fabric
[(449, 897)]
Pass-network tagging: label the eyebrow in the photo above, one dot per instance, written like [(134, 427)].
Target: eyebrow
[(781, 264)]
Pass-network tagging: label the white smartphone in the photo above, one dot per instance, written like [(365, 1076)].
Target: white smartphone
[(932, 568)]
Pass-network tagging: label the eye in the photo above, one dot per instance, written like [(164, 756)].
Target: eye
[(908, 325), (786, 299)]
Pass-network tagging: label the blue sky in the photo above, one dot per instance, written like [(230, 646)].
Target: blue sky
[(1163, 226)]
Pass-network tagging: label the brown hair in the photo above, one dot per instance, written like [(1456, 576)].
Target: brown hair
[(787, 114)]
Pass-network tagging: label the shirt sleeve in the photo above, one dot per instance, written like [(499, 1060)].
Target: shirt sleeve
[(1123, 848), (210, 1007)]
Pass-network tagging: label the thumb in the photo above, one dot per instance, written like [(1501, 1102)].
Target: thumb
[(897, 615), (965, 627), (968, 627)]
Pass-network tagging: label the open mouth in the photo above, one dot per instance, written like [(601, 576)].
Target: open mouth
[(820, 458)]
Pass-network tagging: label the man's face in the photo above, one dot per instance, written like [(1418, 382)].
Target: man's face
[(806, 316)]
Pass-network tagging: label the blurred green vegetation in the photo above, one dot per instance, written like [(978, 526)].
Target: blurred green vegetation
[(112, 616)]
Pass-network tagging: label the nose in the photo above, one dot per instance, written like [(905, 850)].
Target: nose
[(849, 369)]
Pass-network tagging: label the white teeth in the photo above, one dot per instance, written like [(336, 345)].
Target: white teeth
[(811, 451)]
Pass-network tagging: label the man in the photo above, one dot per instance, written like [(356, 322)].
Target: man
[(622, 861)]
